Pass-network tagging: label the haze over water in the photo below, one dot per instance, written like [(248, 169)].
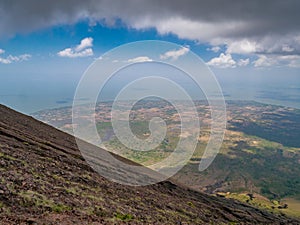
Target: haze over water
[(31, 95)]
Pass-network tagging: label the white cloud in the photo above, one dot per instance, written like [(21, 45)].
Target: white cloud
[(278, 60), (295, 63), (10, 59), (140, 59), (82, 50), (223, 61), (175, 54), (70, 53), (214, 49), (242, 47), (264, 61), (289, 60), (85, 43), (202, 31), (243, 62), (287, 48), (235, 34), (4, 61)]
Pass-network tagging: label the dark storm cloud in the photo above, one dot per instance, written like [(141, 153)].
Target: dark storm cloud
[(263, 22)]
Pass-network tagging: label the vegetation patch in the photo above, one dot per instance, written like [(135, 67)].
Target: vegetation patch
[(124, 217)]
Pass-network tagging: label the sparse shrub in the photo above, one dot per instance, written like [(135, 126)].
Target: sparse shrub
[(123, 217), (59, 208), (191, 204)]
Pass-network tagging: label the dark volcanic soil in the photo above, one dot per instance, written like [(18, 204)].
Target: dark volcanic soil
[(44, 180)]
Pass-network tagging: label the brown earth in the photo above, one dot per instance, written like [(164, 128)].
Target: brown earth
[(45, 180)]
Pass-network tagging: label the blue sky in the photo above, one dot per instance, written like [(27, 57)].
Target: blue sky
[(46, 43), (33, 52), (46, 47)]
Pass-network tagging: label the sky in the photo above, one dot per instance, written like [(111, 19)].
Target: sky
[(45, 46)]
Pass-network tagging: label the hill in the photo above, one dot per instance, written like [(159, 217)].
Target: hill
[(260, 153), (45, 180)]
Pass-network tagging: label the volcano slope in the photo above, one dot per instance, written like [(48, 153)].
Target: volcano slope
[(45, 180)]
